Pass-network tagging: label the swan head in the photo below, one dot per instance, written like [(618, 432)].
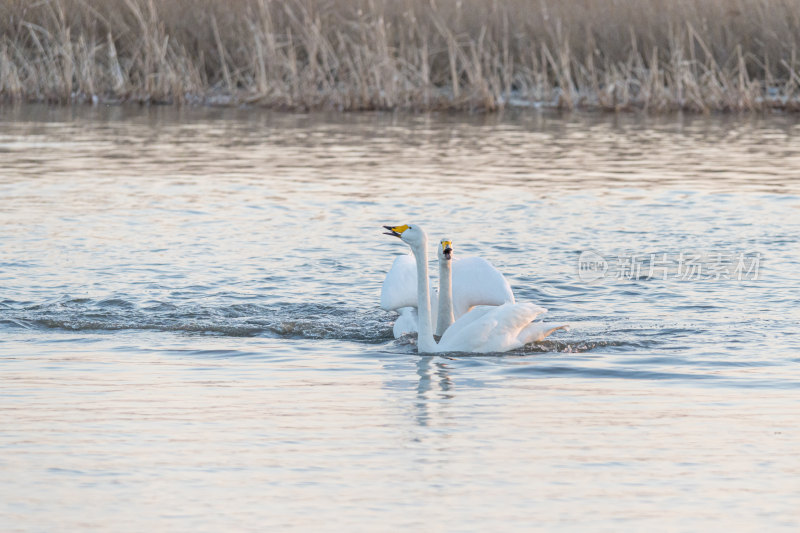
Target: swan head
[(445, 250), (410, 234)]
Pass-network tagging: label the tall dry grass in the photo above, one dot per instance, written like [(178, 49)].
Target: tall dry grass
[(657, 55)]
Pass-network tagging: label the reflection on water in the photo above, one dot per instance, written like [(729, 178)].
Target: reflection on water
[(433, 378), (190, 336)]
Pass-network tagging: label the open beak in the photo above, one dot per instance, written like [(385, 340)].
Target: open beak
[(392, 231), (447, 249)]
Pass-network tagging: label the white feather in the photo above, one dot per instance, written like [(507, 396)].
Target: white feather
[(399, 286), (496, 329), (399, 294), (406, 323), (475, 282)]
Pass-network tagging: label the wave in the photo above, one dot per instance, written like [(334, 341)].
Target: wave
[(281, 320), (288, 320)]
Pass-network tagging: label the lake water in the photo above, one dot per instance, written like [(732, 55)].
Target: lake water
[(190, 336)]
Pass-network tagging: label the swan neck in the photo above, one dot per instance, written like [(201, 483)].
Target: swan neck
[(445, 316), (425, 341)]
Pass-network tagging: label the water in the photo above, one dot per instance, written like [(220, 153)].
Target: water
[(190, 336)]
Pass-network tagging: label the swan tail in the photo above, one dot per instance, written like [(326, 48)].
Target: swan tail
[(538, 331)]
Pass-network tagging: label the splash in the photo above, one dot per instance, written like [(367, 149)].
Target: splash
[(313, 321)]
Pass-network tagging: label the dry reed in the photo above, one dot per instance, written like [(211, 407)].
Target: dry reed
[(655, 55)]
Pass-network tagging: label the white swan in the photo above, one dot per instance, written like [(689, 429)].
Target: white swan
[(474, 281), (481, 330), (534, 332)]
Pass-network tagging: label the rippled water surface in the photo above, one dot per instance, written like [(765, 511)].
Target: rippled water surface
[(190, 336)]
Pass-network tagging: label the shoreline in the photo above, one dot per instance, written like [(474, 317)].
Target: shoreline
[(584, 104), (655, 57)]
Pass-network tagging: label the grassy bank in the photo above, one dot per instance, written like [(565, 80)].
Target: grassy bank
[(657, 55)]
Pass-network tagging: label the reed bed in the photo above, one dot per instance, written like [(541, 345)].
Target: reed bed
[(653, 55)]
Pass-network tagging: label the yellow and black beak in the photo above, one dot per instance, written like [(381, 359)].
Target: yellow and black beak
[(395, 231), (447, 249)]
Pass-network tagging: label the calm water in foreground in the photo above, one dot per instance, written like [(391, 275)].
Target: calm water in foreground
[(190, 336)]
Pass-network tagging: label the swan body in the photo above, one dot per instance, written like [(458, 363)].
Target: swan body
[(475, 281), (481, 330), (496, 329)]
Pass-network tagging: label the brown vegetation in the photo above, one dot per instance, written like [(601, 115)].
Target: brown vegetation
[(656, 55)]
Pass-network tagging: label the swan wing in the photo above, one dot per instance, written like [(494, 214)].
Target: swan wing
[(477, 282), (511, 320), (490, 329), (471, 325), (399, 288)]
